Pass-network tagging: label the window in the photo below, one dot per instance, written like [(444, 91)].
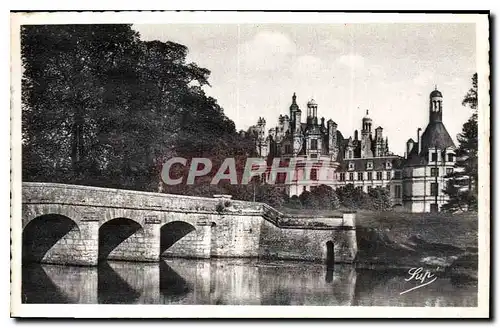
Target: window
[(349, 154), (397, 175), (281, 177), (304, 188), (369, 165), (434, 172), (351, 176), (360, 176), (449, 170), (434, 189), (379, 175), (287, 149), (450, 157), (314, 174), (351, 166), (397, 191), (370, 175), (314, 144), (434, 157), (388, 165), (370, 188), (434, 208), (342, 177), (314, 155), (388, 175)]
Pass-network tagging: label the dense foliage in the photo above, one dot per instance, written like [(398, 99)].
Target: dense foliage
[(101, 107), (348, 197), (462, 185)]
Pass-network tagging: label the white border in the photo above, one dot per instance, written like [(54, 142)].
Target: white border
[(210, 311)]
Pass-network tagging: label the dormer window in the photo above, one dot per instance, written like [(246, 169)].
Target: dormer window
[(451, 157), (434, 157), (369, 165), (388, 165), (351, 166), (314, 144)]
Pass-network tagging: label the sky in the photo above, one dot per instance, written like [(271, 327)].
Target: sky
[(388, 69)]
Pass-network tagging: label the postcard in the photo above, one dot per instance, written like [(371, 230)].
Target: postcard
[(250, 164)]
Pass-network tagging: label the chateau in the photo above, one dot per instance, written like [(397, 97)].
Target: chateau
[(414, 181)]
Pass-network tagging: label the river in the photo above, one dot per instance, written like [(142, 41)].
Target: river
[(234, 282)]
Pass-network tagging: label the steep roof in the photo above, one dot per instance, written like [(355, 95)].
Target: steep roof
[(436, 136)]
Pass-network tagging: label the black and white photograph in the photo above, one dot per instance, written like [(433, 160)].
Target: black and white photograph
[(280, 162)]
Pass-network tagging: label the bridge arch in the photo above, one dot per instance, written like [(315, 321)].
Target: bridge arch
[(172, 232), (43, 232), (115, 232)]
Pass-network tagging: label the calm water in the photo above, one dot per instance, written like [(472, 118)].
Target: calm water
[(223, 281)]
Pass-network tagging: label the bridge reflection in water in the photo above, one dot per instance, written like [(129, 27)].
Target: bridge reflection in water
[(231, 282)]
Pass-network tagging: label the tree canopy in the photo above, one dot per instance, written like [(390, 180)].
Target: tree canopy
[(102, 107)]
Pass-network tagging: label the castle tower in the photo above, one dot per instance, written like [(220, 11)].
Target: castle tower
[(435, 135), (295, 116), (431, 155), (312, 112), (435, 106), (367, 124)]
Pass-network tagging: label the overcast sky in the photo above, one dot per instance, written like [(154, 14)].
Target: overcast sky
[(389, 69)]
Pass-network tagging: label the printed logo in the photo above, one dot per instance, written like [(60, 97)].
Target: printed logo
[(420, 275)]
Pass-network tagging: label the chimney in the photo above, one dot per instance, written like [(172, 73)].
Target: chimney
[(419, 141), (409, 147)]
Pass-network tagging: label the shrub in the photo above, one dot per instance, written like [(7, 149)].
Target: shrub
[(353, 198)]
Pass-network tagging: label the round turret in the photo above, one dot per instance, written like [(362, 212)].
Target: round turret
[(435, 106), (294, 107), (436, 94), (367, 124), (312, 103), (367, 118)]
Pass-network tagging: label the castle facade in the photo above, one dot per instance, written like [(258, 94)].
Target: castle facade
[(364, 160)]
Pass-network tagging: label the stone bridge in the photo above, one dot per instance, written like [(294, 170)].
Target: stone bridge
[(81, 225)]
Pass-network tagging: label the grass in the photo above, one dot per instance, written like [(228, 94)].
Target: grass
[(458, 229)]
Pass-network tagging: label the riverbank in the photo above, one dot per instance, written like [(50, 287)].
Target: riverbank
[(446, 243)]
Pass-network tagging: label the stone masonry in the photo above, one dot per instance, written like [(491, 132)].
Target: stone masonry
[(128, 224)]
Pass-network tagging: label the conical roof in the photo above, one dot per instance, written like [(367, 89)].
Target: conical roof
[(436, 136)]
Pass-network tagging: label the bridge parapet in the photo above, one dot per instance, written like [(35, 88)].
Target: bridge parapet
[(344, 222), (64, 194)]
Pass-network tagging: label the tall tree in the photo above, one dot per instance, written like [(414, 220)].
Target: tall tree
[(101, 107), (462, 185), (65, 81)]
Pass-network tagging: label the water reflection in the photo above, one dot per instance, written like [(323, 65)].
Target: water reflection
[(234, 282)]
